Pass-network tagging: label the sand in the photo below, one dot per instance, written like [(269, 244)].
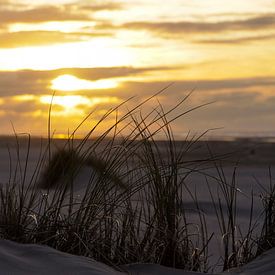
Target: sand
[(253, 157), (37, 259), (28, 259)]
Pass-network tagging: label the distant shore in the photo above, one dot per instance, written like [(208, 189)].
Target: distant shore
[(241, 151)]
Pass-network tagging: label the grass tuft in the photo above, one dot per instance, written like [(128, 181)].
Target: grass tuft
[(129, 207)]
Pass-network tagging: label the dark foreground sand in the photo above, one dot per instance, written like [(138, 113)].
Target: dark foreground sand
[(28, 259), (251, 157)]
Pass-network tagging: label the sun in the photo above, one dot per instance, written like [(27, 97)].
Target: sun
[(68, 82)]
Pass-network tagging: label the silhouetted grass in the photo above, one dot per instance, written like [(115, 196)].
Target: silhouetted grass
[(129, 206), (239, 246), (267, 238)]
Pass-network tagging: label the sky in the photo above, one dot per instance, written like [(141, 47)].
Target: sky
[(96, 54)]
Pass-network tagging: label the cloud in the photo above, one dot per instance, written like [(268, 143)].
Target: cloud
[(168, 28), (38, 82), (239, 40), (9, 13), (37, 38), (41, 14), (239, 103), (27, 114), (233, 110), (94, 7), (25, 106), (247, 110), (4, 3), (200, 86)]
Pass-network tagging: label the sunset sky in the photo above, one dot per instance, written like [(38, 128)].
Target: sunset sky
[(96, 54)]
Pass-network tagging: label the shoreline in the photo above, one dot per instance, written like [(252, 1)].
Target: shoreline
[(245, 151)]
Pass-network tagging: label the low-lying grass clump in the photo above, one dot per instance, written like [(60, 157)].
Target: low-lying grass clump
[(267, 238), (128, 206)]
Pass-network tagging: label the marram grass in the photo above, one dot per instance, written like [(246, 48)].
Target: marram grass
[(130, 209)]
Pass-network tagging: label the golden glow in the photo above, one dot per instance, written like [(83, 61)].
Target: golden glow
[(71, 83), (71, 102), (68, 101), (67, 27), (25, 97), (225, 52), (100, 52)]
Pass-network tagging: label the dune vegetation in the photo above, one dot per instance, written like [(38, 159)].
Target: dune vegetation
[(130, 208)]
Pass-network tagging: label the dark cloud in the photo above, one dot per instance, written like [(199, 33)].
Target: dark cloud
[(255, 23), (232, 110), (236, 96), (239, 103), (37, 82), (239, 108), (200, 86), (18, 107), (236, 83)]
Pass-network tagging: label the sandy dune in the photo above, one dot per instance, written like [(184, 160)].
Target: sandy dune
[(253, 157), (28, 259)]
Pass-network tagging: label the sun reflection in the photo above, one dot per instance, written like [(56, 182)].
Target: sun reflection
[(68, 82)]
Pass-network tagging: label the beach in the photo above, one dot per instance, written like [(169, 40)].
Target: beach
[(249, 163)]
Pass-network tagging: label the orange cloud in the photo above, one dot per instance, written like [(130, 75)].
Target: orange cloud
[(238, 40), (37, 38), (260, 22), (101, 6), (10, 14), (40, 14)]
